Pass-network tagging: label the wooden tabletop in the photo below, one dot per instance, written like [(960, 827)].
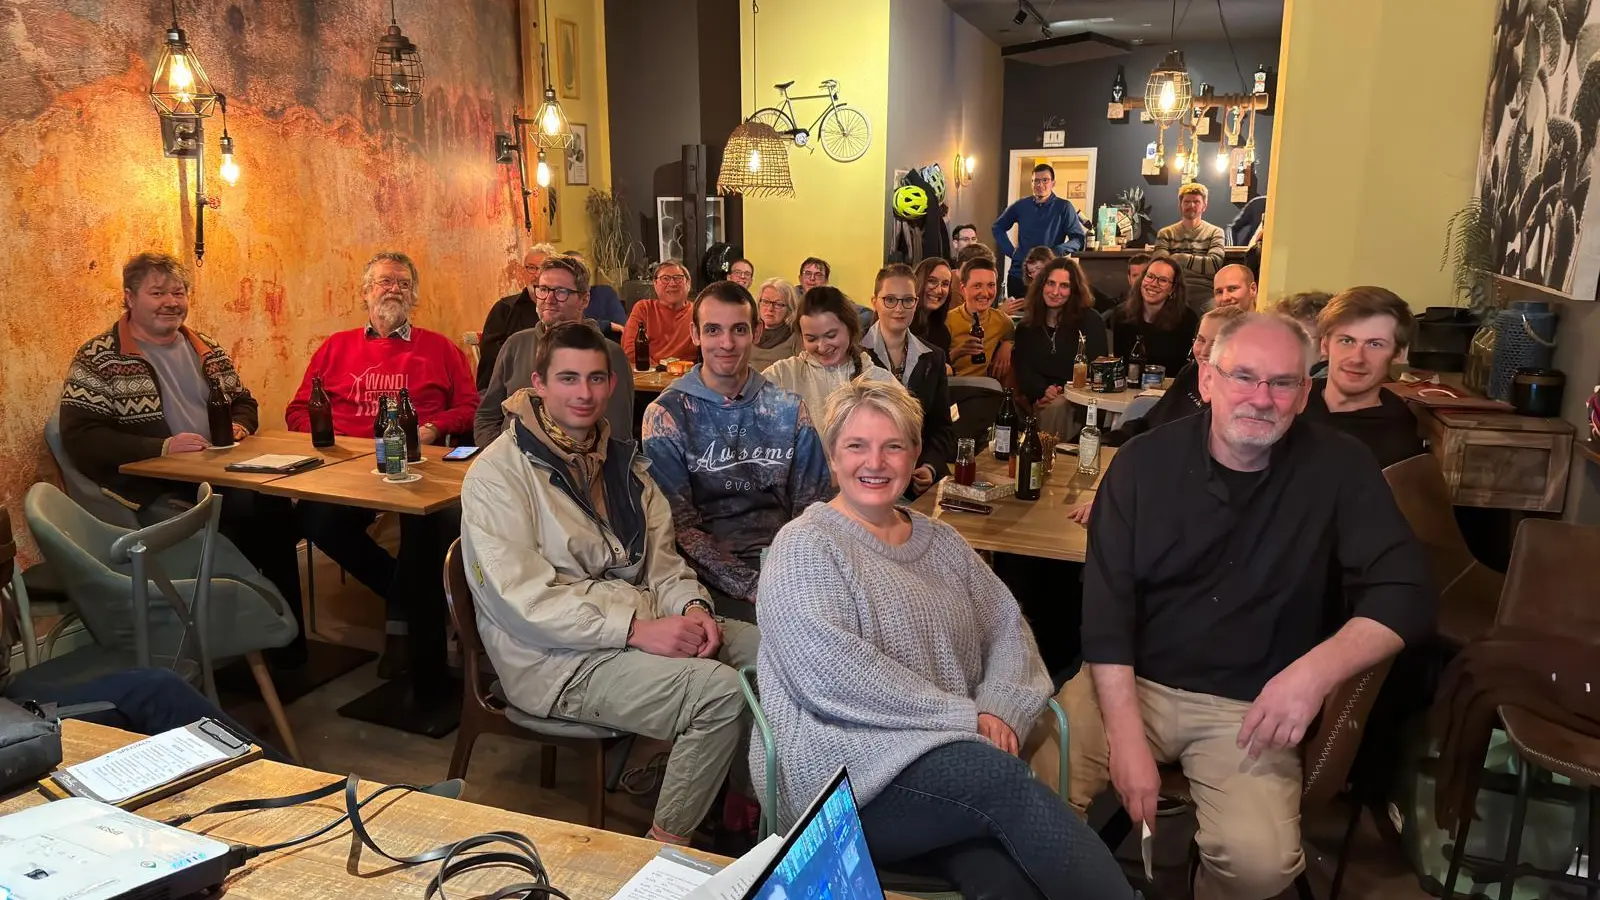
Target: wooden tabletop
[(212, 465), (1116, 401), (585, 863), (1027, 528), (356, 484), (652, 380)]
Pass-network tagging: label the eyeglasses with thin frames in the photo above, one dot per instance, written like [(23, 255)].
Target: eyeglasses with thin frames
[(395, 284), (1245, 383), (904, 301), (672, 279)]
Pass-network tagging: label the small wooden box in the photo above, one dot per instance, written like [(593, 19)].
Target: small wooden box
[(1116, 112), (1501, 460)]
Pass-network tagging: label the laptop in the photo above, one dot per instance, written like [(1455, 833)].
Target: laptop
[(825, 856)]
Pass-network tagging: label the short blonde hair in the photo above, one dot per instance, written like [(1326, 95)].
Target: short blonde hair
[(1225, 314), (1194, 187), (785, 293), (887, 397)]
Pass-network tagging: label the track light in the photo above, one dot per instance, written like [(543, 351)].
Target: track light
[(1020, 17)]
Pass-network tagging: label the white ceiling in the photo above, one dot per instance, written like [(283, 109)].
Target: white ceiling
[(1134, 21)]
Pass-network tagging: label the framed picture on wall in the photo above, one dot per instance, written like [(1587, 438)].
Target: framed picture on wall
[(578, 156), (567, 59), (1077, 190)]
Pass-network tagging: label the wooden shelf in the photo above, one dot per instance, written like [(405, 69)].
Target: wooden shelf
[(1590, 449)]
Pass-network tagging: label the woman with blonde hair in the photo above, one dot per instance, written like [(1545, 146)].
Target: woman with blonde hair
[(779, 339), (888, 645)]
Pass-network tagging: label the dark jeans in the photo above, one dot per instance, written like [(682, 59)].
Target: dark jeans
[(148, 701), (341, 533), (978, 815), (262, 527)]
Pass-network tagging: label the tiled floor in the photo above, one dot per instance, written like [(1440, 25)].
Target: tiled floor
[(504, 772)]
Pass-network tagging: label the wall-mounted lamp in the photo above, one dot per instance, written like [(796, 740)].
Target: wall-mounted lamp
[(511, 149), (183, 98), (965, 166)]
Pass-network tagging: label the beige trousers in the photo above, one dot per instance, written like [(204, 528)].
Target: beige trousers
[(1248, 811), (695, 703)]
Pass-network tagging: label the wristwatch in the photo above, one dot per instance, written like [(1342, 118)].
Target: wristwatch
[(700, 603)]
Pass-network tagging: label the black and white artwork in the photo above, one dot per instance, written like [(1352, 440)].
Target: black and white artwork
[(1536, 162)]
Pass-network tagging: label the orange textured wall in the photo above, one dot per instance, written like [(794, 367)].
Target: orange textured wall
[(329, 177)]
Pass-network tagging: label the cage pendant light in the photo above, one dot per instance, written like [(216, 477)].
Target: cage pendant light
[(397, 67), (755, 161), (180, 88), (1168, 94), (551, 129)]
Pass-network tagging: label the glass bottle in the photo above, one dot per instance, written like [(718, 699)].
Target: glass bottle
[(407, 416), (219, 416), (980, 358), (1080, 366), (1005, 427), (321, 411), (394, 449), (378, 425), (1136, 360), (641, 349), (1030, 462), (966, 461), (1089, 441)]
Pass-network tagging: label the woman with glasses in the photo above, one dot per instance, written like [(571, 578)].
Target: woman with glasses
[(830, 333), (918, 366), (779, 339), (1058, 308), (1158, 312)]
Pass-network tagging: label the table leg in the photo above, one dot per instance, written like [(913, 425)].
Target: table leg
[(426, 699)]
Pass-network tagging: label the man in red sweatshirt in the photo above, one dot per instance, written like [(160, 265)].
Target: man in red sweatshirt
[(358, 367)]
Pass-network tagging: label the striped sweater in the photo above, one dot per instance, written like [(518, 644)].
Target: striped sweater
[(1199, 249), (111, 407)]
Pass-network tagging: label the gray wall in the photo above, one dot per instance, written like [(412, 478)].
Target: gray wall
[(1078, 94), (687, 52)]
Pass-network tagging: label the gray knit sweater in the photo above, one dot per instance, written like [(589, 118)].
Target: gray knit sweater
[(872, 655)]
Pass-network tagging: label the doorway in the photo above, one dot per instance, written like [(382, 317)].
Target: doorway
[(1075, 170)]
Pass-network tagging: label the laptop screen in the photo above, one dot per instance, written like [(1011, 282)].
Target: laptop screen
[(825, 857)]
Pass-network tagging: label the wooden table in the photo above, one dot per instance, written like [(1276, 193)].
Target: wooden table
[(1027, 528), (652, 381), (586, 863), (212, 465), (355, 484), (1112, 405)]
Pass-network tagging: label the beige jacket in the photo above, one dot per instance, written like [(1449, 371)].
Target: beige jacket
[(554, 585)]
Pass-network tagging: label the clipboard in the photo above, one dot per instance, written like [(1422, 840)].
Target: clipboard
[(162, 779)]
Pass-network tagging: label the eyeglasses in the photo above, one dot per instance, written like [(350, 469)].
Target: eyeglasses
[(1281, 388), (813, 273), (395, 284), (1041, 181), (774, 304), (560, 294), (904, 301), (1158, 280), (672, 279)]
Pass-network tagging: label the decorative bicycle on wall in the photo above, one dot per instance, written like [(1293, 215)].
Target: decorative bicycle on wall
[(843, 131)]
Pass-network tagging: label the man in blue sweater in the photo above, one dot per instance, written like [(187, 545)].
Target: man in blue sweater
[(1042, 220), (735, 455)]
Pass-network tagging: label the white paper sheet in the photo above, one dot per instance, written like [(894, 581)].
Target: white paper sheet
[(275, 460), (144, 765), (667, 876), (1146, 848), (732, 882)]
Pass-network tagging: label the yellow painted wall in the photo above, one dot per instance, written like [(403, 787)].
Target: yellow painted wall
[(838, 210), (1379, 115), (590, 108)]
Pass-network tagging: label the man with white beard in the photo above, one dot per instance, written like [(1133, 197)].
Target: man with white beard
[(357, 368)]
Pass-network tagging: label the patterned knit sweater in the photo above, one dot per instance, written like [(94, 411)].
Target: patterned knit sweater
[(872, 655), (111, 406), (1201, 251)]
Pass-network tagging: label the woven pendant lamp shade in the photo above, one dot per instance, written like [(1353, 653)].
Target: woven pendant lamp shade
[(1168, 94), (755, 163)]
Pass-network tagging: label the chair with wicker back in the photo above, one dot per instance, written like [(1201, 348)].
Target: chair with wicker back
[(1326, 756), (1468, 590), (484, 709)]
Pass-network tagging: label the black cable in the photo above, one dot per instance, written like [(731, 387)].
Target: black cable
[(1243, 88)]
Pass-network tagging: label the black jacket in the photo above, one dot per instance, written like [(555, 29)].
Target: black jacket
[(1179, 402), (928, 382), (1039, 364), (508, 316)]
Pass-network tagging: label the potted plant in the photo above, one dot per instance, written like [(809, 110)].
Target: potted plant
[(1446, 335)]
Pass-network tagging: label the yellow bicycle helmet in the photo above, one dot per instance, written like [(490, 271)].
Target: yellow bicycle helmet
[(910, 202)]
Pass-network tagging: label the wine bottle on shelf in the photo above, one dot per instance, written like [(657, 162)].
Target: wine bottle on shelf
[(1119, 87), (321, 411), (407, 415), (1005, 428), (1260, 86)]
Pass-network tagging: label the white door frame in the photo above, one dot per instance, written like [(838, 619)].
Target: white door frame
[(1015, 190)]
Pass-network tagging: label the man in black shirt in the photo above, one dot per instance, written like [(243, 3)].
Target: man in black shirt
[(1216, 646), (1364, 330)]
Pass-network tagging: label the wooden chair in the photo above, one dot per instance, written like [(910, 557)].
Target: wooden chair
[(473, 341), (484, 709), (1468, 590), (1550, 587), (1326, 756)]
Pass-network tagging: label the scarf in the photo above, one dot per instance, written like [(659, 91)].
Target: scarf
[(772, 337), (584, 459)]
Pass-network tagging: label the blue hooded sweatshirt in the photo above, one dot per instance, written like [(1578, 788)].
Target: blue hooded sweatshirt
[(735, 471)]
